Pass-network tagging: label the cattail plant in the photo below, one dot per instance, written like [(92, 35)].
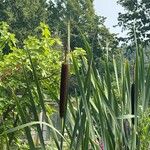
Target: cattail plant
[(64, 78)]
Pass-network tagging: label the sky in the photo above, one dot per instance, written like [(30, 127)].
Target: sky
[(109, 9)]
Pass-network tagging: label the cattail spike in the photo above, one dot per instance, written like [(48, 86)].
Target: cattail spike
[(63, 89), (132, 100)]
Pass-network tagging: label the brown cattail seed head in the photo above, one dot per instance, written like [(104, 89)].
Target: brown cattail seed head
[(132, 100), (63, 89)]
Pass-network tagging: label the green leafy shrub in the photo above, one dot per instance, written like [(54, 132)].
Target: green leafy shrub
[(16, 68)]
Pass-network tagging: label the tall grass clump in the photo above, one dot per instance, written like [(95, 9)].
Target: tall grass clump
[(104, 117)]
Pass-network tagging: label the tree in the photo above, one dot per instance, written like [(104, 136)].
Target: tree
[(23, 16), (82, 17), (2, 13), (136, 20)]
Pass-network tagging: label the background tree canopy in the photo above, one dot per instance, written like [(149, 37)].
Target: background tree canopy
[(24, 16), (137, 15)]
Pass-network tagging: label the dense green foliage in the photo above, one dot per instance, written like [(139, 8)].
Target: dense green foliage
[(144, 130), (16, 75), (29, 80), (41, 52), (136, 17), (23, 16), (82, 17), (108, 102)]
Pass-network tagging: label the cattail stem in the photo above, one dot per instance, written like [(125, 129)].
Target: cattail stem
[(63, 89)]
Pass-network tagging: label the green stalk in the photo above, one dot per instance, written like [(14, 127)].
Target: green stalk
[(23, 119), (34, 110), (40, 95)]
